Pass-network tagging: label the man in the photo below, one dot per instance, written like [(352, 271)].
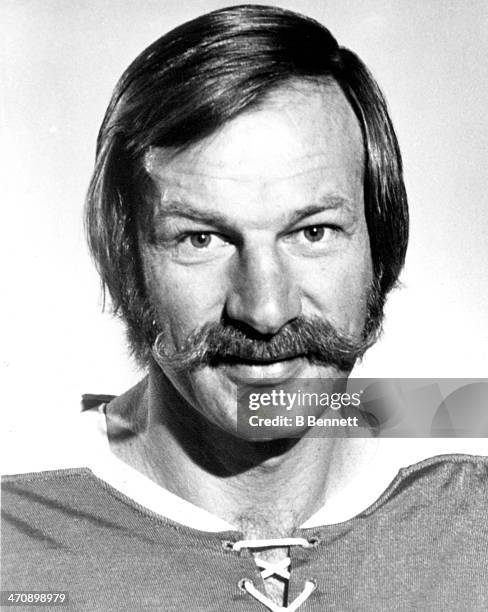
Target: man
[(248, 216)]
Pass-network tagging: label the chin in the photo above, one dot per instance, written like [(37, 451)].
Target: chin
[(220, 395)]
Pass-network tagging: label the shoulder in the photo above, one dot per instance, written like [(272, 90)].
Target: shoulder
[(451, 485), (460, 471), (53, 498), (25, 495)]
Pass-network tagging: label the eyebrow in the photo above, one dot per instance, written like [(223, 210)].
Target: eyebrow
[(324, 204), (187, 211), (211, 217)]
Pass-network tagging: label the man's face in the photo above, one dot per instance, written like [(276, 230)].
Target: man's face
[(258, 224)]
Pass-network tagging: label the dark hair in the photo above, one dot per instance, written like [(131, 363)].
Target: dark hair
[(189, 83)]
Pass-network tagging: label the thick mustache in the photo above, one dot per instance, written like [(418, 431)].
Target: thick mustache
[(313, 338)]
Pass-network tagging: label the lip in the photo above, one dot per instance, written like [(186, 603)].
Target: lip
[(264, 373)]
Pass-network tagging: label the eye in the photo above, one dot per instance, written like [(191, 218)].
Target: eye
[(314, 233), (199, 246), (314, 239), (201, 240)]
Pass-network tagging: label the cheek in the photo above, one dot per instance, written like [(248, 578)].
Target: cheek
[(352, 308), (338, 287), (184, 297)]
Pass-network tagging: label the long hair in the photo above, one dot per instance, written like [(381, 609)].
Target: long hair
[(189, 83)]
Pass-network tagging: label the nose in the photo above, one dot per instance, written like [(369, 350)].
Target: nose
[(263, 293)]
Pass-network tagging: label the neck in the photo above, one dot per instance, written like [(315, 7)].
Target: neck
[(266, 489)]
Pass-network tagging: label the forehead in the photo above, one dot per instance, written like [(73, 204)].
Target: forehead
[(302, 140)]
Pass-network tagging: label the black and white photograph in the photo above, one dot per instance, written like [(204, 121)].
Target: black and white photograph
[(245, 306)]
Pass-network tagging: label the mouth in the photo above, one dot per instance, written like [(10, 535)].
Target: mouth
[(270, 371), (259, 361)]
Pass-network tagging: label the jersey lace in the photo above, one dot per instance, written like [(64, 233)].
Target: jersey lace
[(279, 568)]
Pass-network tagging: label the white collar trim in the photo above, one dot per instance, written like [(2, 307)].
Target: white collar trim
[(392, 454), (132, 483)]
